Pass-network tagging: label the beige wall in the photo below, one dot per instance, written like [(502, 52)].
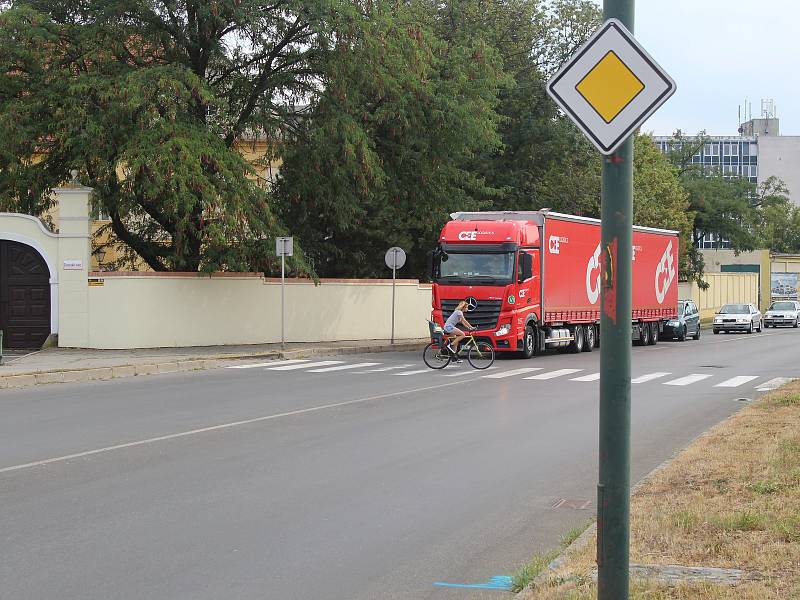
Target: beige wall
[(723, 288), (780, 156), (165, 310)]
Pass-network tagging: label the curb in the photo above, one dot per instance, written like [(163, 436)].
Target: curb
[(529, 593), (23, 380)]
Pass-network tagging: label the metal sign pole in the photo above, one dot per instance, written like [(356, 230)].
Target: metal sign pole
[(613, 490), (394, 279), (283, 284)]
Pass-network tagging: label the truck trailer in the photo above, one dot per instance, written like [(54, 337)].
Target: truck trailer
[(532, 279)]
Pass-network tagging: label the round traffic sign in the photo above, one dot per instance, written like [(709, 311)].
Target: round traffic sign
[(395, 257)]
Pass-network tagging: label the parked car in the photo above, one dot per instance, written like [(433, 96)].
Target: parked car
[(738, 317), (685, 324), (784, 312)]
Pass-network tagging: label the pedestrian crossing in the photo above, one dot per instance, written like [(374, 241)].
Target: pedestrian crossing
[(500, 371)]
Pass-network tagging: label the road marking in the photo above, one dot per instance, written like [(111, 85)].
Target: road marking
[(268, 364), (321, 363), (343, 367), (512, 372), (650, 377), (737, 381), (773, 384), (592, 377), (173, 436), (498, 582), (470, 372), (688, 380), (554, 374), (388, 368), (413, 372)]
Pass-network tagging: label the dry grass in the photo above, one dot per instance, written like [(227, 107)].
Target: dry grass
[(731, 500)]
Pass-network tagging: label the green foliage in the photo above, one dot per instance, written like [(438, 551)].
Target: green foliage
[(146, 100)]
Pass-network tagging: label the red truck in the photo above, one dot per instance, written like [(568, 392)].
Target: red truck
[(532, 279)]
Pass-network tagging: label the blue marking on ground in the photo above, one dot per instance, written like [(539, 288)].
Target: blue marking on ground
[(498, 582)]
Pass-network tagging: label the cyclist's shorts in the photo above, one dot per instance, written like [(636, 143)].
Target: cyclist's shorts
[(449, 328)]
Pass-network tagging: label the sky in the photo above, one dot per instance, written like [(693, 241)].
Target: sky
[(721, 52)]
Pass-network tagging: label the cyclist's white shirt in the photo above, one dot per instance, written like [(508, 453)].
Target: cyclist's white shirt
[(453, 320)]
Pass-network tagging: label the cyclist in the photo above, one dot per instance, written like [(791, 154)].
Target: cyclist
[(454, 334)]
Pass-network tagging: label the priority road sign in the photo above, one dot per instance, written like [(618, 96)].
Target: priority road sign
[(610, 86)]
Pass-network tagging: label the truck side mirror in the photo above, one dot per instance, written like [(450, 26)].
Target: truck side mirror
[(526, 267)]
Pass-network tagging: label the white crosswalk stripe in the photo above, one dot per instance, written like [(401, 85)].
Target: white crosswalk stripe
[(343, 367), (469, 372), (268, 364), (650, 377), (592, 377), (737, 381), (688, 380), (394, 368), (306, 365), (773, 384), (512, 372), (417, 372), (554, 374)]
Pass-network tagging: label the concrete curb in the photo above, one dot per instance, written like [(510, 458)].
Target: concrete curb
[(21, 380), (583, 540)]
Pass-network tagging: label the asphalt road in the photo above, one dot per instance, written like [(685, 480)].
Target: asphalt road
[(369, 481)]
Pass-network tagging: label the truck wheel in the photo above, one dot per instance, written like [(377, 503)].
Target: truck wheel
[(653, 333), (644, 334), (576, 345), (588, 338), (529, 343)]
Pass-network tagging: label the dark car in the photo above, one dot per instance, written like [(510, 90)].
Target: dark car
[(686, 324)]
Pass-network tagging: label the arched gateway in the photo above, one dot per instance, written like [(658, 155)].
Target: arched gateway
[(25, 307)]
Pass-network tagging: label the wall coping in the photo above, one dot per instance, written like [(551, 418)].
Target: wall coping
[(230, 275), (36, 220)]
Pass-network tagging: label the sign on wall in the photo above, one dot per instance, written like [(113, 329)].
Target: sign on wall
[(784, 285), (73, 265)]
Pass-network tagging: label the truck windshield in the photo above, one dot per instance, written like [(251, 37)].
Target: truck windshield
[(494, 268)]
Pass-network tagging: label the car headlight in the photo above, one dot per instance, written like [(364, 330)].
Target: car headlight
[(673, 323), (504, 329), (742, 320), (717, 319)]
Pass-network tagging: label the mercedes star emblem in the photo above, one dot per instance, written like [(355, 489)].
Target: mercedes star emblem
[(472, 304)]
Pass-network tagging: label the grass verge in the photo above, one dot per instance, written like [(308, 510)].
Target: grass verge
[(730, 500)]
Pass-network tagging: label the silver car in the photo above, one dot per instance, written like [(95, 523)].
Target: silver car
[(784, 312), (738, 317)]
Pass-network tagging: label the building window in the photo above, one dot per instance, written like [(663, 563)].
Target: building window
[(712, 241)]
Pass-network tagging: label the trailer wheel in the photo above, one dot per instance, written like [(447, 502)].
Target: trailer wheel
[(576, 345), (644, 334), (589, 338), (654, 333), (529, 342)]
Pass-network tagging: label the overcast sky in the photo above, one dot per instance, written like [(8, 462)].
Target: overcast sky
[(720, 52)]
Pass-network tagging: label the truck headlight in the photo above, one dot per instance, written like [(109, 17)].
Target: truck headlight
[(504, 329)]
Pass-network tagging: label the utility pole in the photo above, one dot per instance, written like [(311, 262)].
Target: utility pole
[(613, 490)]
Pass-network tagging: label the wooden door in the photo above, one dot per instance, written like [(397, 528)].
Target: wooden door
[(24, 296)]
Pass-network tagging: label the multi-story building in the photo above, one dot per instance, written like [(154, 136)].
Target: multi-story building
[(756, 154)]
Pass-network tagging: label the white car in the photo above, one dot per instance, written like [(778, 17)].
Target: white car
[(738, 317), (783, 312)]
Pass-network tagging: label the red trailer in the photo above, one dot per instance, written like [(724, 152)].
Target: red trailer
[(533, 279)]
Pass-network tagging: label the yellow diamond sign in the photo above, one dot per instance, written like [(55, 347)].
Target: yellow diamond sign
[(610, 86)]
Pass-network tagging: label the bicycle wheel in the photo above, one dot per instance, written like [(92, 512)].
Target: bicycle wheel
[(482, 356), (435, 358)]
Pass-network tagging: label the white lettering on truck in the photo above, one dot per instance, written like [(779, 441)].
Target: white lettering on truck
[(593, 284), (467, 235), (665, 274)]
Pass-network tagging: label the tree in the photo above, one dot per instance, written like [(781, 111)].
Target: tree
[(380, 158), (660, 201), (147, 101)]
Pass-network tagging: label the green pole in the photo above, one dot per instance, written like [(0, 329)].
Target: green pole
[(613, 490)]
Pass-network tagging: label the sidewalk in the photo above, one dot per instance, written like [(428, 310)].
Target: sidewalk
[(70, 365)]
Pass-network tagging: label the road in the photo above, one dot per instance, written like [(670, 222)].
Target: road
[(361, 477)]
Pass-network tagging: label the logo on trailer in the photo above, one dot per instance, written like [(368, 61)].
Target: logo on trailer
[(592, 280), (468, 235), (665, 274), (472, 303), (554, 243)]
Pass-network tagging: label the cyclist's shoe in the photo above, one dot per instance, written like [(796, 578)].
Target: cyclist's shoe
[(458, 361)]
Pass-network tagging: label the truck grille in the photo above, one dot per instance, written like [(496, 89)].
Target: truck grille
[(483, 317)]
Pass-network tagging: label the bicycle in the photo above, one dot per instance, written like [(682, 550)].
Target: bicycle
[(480, 354)]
